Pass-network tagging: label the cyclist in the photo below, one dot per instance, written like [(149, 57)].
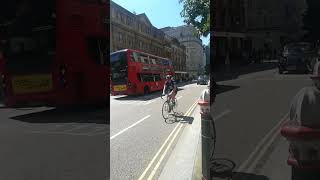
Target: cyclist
[(170, 88)]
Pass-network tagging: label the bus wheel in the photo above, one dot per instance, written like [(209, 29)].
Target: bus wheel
[(146, 90)]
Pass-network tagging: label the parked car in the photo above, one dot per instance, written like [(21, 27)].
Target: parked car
[(202, 80), (296, 57)]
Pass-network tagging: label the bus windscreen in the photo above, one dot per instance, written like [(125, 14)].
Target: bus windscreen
[(119, 69)]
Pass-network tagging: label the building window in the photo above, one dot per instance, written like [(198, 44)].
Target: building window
[(122, 18), (112, 12), (287, 10), (127, 20), (129, 41), (120, 37)]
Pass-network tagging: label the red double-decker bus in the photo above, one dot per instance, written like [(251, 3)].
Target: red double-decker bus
[(55, 52), (135, 73)]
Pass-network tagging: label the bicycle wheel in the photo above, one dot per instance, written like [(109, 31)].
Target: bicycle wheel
[(165, 110), (175, 106)]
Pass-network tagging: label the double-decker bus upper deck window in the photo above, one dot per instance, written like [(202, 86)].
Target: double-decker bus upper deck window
[(119, 67), (135, 57), (152, 60), (143, 59)]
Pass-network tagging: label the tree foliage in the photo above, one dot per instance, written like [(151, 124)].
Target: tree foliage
[(310, 19), (197, 13)]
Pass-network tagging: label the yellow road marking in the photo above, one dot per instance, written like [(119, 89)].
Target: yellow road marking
[(165, 142)]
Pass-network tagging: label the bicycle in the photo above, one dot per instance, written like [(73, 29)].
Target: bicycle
[(169, 107)]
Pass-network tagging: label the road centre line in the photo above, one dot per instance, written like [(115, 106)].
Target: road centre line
[(166, 141), (134, 124), (261, 148)]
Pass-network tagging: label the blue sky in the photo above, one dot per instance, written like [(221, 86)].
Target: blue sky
[(161, 13)]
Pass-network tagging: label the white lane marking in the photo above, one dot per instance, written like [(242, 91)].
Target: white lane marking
[(60, 126), (77, 127), (134, 124), (97, 130), (253, 156), (222, 114), (163, 145)]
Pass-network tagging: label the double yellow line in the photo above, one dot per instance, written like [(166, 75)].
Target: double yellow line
[(174, 133), (250, 165)]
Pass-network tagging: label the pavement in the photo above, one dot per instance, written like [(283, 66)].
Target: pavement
[(248, 114), (180, 164)]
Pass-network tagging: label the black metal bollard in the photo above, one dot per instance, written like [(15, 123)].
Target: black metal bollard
[(207, 138)]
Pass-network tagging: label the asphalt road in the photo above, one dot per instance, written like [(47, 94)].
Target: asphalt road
[(247, 108), (46, 143), (138, 131)]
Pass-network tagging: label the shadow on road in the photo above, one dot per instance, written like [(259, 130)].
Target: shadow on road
[(237, 71), (91, 114), (225, 88), (179, 117)]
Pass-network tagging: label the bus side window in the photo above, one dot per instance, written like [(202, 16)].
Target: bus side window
[(157, 77)]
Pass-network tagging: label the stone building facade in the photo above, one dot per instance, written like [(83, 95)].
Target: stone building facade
[(229, 31), (187, 35), (131, 31), (242, 26), (270, 24)]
